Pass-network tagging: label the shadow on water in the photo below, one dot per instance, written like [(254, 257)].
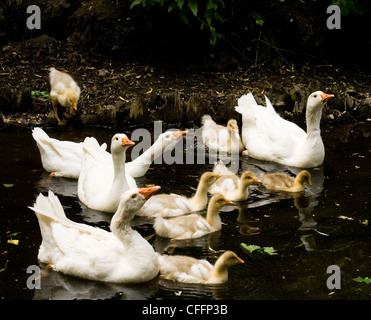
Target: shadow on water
[(325, 225)]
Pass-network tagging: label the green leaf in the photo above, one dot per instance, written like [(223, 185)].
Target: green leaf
[(364, 280), (250, 248), (135, 3), (8, 185), (193, 6), (180, 3), (14, 234), (40, 94), (253, 249), (172, 6)]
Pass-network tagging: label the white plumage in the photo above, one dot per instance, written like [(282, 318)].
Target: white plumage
[(267, 136), (92, 253)]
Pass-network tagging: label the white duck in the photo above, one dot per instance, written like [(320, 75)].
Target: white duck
[(230, 185), (193, 225), (171, 205), (97, 187), (191, 270), (64, 158), (220, 138), (267, 136), (80, 250), (64, 92), (280, 181)]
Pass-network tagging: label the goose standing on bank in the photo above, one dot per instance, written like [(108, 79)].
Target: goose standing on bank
[(267, 136), (80, 250), (97, 187), (220, 138), (64, 93), (64, 158)]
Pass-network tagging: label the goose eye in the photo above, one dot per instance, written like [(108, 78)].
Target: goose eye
[(133, 196), (167, 136), (315, 96), (116, 138)]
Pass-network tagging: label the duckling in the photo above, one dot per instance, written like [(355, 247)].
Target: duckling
[(221, 138), (64, 92), (283, 182), (171, 205), (193, 225), (230, 185), (191, 270)]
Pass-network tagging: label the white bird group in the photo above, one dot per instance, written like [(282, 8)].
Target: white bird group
[(106, 182)]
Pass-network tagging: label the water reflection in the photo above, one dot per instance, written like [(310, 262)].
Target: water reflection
[(58, 286)]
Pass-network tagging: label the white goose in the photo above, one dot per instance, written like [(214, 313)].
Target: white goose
[(64, 158), (220, 138), (267, 136), (121, 256), (97, 187), (191, 270)]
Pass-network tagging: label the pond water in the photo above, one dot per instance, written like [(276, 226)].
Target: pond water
[(327, 225)]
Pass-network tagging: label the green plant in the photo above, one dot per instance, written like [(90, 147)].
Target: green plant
[(40, 94), (207, 13), (348, 6)]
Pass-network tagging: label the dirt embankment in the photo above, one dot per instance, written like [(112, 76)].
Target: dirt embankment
[(118, 88)]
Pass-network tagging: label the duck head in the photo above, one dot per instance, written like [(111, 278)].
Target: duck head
[(120, 140)]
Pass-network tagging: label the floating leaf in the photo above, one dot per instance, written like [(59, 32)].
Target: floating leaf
[(364, 280), (364, 222), (345, 218), (6, 265), (8, 185), (14, 234), (254, 249), (13, 241)]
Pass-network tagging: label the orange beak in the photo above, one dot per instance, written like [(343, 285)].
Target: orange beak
[(235, 128), (178, 134), (240, 260), (127, 142), (256, 180), (74, 106), (216, 175), (326, 96), (147, 192), (228, 201)]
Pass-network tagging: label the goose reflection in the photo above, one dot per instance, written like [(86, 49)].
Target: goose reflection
[(58, 286)]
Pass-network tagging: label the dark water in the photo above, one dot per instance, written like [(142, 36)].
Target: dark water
[(306, 231)]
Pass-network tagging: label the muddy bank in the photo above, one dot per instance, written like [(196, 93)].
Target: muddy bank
[(115, 91)]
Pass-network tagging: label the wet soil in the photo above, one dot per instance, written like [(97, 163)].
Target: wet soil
[(112, 88)]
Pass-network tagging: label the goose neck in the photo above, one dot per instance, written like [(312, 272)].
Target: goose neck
[(313, 119), (213, 217), (200, 197), (219, 272)]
